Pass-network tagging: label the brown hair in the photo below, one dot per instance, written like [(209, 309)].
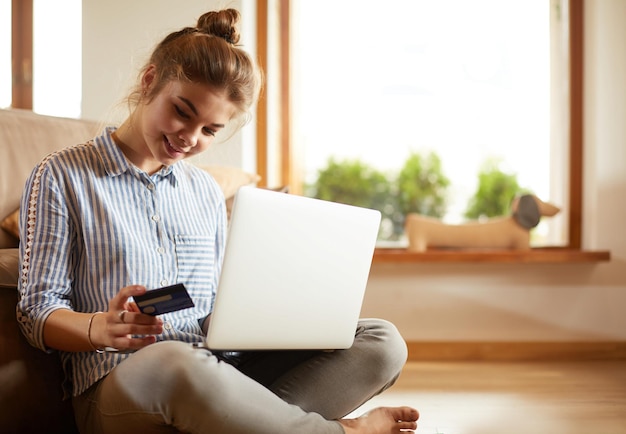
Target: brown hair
[(208, 53)]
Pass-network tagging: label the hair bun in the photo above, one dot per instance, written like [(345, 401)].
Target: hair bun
[(222, 24)]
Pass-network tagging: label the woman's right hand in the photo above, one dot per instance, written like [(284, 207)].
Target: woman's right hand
[(123, 326)]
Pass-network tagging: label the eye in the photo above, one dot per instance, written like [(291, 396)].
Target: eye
[(208, 131), (180, 112)]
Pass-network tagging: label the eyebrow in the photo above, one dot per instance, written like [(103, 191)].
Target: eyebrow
[(189, 104), (195, 111)]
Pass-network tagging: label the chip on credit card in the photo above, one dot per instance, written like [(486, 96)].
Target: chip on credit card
[(164, 300)]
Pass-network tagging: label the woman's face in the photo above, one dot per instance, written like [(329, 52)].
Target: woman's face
[(179, 122)]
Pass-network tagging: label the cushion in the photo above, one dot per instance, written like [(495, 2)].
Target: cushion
[(8, 268), (10, 223), (231, 178), (26, 138)]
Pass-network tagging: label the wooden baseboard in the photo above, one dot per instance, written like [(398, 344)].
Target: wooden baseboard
[(516, 351)]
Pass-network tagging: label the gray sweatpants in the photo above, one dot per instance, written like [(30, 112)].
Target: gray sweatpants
[(174, 387)]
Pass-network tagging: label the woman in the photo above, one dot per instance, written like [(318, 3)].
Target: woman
[(122, 213)]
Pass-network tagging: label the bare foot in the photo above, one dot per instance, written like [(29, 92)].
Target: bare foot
[(383, 420)]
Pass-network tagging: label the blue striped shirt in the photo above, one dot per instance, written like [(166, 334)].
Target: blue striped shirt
[(92, 223)]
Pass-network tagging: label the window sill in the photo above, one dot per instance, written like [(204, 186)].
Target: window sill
[(536, 255)]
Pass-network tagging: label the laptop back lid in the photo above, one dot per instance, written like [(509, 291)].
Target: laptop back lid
[(294, 273)]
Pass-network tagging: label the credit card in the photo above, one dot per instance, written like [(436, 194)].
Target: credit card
[(164, 300)]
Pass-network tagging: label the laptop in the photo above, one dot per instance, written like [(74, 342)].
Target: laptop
[(294, 273)]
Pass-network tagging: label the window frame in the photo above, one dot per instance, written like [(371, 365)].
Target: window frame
[(22, 54), (287, 169)]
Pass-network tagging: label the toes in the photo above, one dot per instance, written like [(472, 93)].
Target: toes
[(406, 414)]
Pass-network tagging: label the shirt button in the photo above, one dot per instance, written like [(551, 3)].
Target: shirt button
[(150, 186), (156, 218), (167, 326), (160, 250), (164, 282)]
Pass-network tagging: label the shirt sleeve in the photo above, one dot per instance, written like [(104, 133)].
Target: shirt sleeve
[(44, 282)]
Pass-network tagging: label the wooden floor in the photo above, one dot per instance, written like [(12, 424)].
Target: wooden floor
[(512, 397)]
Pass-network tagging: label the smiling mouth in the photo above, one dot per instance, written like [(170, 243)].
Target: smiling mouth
[(172, 150)]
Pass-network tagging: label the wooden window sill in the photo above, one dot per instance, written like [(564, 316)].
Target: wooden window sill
[(536, 255)]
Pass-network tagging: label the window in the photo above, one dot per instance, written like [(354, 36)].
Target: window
[(5, 56), (47, 56), (402, 88), (57, 57)]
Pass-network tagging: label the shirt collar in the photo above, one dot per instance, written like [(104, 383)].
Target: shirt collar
[(116, 163)]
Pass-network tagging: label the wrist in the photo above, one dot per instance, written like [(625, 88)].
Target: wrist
[(90, 327)]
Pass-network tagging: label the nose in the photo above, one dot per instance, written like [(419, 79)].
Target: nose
[(188, 138)]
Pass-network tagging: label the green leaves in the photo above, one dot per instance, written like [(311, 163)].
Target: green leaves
[(420, 186), (496, 189)]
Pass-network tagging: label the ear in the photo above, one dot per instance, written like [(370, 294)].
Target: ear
[(148, 79), (527, 213), (546, 209)]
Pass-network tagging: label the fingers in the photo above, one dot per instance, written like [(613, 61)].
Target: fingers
[(131, 306), (138, 318), (126, 327), (120, 301), (127, 311), (127, 343), (135, 323), (132, 331)]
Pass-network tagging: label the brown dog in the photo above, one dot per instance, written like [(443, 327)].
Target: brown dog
[(511, 232)]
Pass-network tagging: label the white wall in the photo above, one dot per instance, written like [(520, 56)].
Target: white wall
[(486, 302), (118, 37), (538, 302)]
